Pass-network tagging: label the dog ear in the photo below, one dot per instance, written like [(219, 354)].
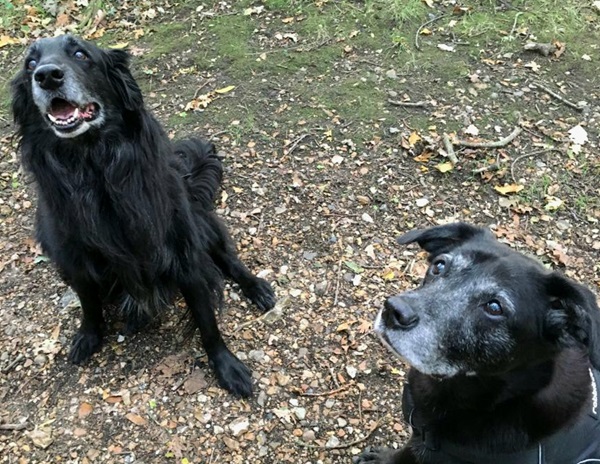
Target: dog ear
[(122, 80), (573, 318), (21, 98), (440, 239)]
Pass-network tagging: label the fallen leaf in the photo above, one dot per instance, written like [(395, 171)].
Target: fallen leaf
[(136, 419), (508, 188), (445, 167), (41, 438), (85, 410), (413, 138), (578, 135), (552, 203), (446, 48), (6, 40), (353, 267), (119, 46), (227, 89)]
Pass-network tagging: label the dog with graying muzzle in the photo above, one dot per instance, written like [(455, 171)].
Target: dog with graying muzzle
[(504, 356)]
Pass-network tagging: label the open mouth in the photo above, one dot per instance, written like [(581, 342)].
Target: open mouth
[(66, 116)]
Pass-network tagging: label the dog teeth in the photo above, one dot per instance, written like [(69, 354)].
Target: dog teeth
[(65, 122)]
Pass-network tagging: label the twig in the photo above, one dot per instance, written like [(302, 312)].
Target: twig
[(489, 167), (449, 149), (337, 283), (559, 97), (216, 134), (342, 445), (20, 426), (526, 155), (328, 393), (296, 142), (417, 46), (512, 31), (500, 143), (419, 104), (16, 361)]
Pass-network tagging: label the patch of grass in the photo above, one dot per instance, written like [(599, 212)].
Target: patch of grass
[(168, 38)]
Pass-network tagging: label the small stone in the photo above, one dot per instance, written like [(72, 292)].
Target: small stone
[(239, 426), (332, 442), (391, 74), (351, 370), (40, 359), (300, 413), (217, 430), (256, 355), (393, 93), (309, 435), (321, 288)]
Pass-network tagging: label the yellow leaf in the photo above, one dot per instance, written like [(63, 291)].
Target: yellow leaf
[(388, 274), (445, 167), (229, 88), (6, 40), (508, 188), (425, 31), (343, 326), (413, 138), (185, 461), (120, 45)]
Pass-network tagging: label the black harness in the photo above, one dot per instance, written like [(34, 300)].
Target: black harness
[(580, 444)]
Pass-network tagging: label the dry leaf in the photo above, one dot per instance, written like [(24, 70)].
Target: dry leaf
[(6, 40), (136, 419), (413, 138), (41, 438), (85, 410), (229, 88), (445, 167), (508, 188)]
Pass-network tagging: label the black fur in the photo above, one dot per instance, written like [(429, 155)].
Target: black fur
[(126, 215), (501, 353)]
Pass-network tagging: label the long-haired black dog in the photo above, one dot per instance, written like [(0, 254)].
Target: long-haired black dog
[(504, 355), (126, 216)]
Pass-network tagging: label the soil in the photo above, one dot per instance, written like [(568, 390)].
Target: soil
[(323, 171)]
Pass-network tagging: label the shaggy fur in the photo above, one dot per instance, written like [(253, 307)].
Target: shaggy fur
[(125, 215), (504, 357)]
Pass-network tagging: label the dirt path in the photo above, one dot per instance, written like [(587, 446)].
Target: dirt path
[(333, 124)]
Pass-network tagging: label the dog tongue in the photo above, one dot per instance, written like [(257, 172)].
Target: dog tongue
[(62, 109)]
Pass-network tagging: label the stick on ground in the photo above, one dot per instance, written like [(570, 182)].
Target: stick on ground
[(500, 143), (449, 149), (417, 46), (559, 97)]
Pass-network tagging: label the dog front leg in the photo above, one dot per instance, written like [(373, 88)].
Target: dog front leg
[(89, 336), (381, 455), (231, 373)]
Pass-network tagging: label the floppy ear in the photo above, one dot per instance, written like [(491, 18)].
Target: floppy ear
[(440, 239), (22, 103), (573, 318), (122, 80)]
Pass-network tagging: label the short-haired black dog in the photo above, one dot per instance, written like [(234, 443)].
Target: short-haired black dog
[(126, 216), (504, 357)]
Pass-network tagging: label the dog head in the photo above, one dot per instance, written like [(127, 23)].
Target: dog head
[(73, 86), (484, 309)]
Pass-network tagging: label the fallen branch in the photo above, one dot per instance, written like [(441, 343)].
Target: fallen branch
[(16, 361), (342, 445), (417, 46), (489, 167), (559, 97), (514, 27), (449, 149), (294, 144), (499, 144), (419, 104)]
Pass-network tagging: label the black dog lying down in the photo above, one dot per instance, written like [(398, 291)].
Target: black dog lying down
[(504, 355), (126, 216)]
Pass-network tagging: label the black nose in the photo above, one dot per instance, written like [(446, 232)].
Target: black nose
[(398, 314), (49, 76)]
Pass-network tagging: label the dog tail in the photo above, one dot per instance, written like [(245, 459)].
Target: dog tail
[(203, 170)]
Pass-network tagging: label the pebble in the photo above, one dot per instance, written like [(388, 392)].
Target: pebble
[(309, 435), (333, 441), (239, 426), (300, 413), (256, 355), (391, 74), (40, 359), (321, 288)]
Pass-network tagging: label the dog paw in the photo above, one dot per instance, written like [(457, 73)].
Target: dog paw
[(260, 293), (375, 455), (84, 345), (232, 374)]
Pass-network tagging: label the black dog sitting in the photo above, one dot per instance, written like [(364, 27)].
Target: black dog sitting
[(126, 216), (504, 356)]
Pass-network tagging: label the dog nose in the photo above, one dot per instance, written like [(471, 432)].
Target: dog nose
[(397, 313), (49, 76)]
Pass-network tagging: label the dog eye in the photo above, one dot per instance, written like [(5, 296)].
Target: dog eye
[(79, 55), (493, 308), (438, 266), (31, 65)]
